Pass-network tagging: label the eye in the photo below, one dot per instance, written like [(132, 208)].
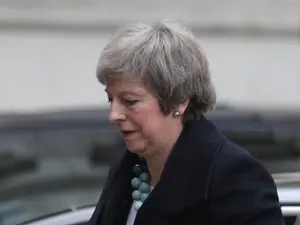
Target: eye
[(130, 102)]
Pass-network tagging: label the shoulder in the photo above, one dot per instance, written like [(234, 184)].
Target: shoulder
[(220, 158), (233, 158), (234, 165), (242, 190), (233, 154)]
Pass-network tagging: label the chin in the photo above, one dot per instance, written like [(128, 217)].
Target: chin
[(139, 150)]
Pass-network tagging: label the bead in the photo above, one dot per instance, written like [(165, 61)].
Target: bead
[(144, 177), (137, 205), (144, 196), (136, 182), (144, 187), (136, 195), (140, 184), (137, 169)]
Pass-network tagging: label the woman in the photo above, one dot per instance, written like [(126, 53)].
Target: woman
[(177, 169)]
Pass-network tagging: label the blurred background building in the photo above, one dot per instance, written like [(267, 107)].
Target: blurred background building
[(49, 49)]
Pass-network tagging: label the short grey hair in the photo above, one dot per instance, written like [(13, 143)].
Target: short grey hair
[(168, 59)]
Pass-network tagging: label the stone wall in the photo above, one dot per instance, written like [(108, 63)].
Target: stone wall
[(49, 48), (256, 15)]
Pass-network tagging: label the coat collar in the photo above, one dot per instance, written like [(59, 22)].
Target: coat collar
[(185, 178), (188, 169)]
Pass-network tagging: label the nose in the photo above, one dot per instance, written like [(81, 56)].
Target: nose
[(116, 113)]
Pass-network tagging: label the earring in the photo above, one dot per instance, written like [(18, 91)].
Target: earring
[(176, 113)]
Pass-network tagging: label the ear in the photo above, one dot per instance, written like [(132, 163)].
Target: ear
[(182, 107)]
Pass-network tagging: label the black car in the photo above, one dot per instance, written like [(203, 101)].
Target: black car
[(59, 160)]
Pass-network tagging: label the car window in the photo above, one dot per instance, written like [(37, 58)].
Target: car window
[(275, 142), (277, 154), (52, 166), (58, 141)]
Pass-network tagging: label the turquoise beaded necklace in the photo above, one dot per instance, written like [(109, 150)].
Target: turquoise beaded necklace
[(140, 184)]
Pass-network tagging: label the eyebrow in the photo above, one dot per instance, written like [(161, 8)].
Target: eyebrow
[(127, 93)]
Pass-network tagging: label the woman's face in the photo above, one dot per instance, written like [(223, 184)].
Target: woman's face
[(137, 115)]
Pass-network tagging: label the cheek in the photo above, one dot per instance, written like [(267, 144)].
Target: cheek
[(145, 124), (148, 117), (152, 126), (142, 123)]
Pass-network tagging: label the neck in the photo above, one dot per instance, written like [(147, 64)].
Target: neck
[(156, 165), (156, 162)]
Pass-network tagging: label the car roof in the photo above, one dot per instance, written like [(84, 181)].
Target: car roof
[(83, 215), (75, 216), (289, 195)]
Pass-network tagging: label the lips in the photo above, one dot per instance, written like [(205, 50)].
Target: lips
[(127, 133)]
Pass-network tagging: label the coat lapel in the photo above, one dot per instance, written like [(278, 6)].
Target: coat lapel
[(185, 178)]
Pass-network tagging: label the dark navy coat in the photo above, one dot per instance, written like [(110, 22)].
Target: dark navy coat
[(207, 180)]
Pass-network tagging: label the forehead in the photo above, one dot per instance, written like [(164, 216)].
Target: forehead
[(125, 84)]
